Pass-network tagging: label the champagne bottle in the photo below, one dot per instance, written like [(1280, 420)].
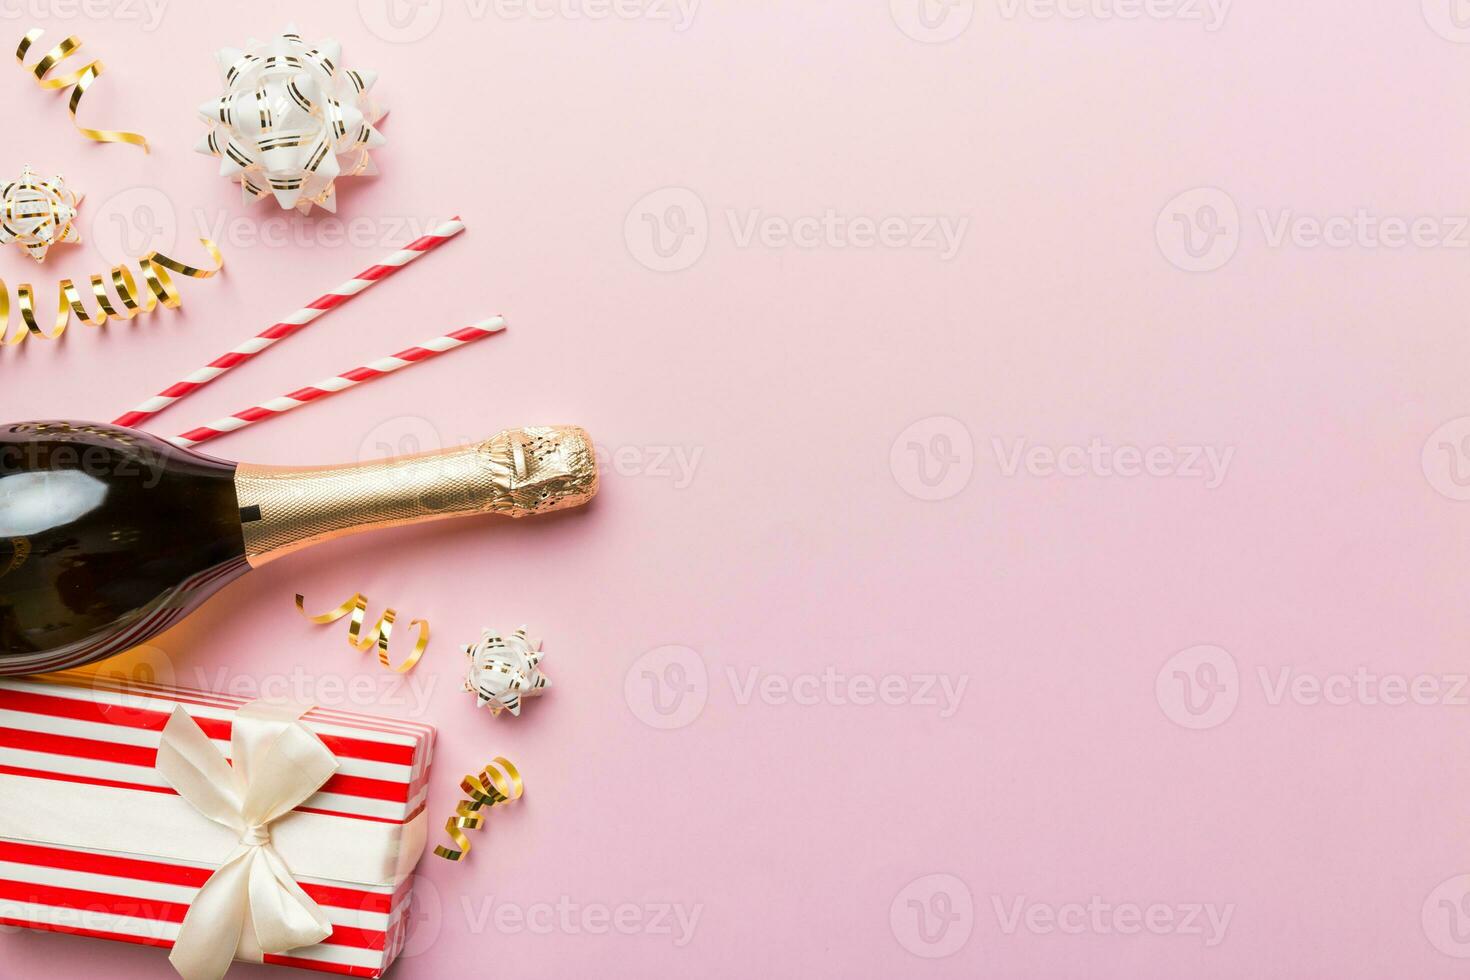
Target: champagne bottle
[(109, 536)]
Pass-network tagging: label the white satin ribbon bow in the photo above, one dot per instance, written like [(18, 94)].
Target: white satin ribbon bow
[(251, 905)]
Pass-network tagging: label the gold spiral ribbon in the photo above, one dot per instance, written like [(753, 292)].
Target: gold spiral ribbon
[(500, 783), (378, 636), (130, 301), (82, 78)]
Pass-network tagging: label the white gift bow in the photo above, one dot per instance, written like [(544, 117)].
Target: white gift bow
[(251, 905)]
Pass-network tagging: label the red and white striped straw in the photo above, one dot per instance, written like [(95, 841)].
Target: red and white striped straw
[(285, 328), (340, 382)]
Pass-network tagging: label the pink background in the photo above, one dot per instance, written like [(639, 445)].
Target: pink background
[(802, 832)]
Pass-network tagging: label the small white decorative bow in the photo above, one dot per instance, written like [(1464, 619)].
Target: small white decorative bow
[(251, 905), (504, 669)]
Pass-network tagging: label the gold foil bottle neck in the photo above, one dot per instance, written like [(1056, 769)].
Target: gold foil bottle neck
[(518, 473)]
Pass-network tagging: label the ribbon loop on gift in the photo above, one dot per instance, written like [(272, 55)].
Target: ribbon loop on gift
[(251, 905)]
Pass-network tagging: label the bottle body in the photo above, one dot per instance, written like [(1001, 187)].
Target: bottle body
[(110, 536), (107, 537)]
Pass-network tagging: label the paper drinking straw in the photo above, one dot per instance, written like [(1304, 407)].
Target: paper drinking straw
[(285, 328), (340, 382)]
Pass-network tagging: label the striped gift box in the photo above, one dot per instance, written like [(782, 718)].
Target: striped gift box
[(67, 736)]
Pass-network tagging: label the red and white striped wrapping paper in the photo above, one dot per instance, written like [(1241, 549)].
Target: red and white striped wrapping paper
[(70, 732)]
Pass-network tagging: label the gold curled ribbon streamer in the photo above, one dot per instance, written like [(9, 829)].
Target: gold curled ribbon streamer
[(500, 783), (130, 302), (82, 78), (378, 636)]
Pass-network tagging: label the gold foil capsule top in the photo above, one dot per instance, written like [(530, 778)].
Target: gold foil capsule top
[(542, 469)]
